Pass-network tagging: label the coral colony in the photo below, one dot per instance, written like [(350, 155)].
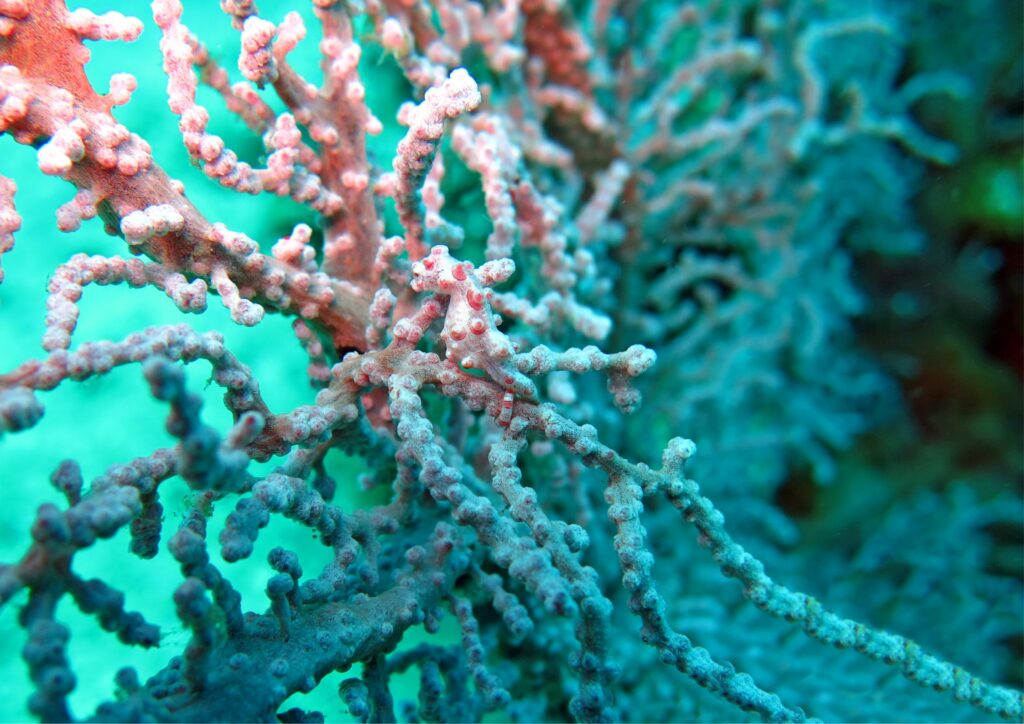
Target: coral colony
[(670, 192)]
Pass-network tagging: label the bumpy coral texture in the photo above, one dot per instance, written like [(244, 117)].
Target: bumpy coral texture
[(667, 199)]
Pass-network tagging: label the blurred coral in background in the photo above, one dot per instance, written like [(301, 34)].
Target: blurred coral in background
[(566, 359)]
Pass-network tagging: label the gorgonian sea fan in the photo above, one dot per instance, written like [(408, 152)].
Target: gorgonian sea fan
[(652, 178)]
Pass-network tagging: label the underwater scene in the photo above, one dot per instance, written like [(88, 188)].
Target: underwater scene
[(511, 360)]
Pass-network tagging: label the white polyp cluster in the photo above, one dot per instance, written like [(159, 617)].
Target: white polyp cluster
[(256, 61), (10, 220), (108, 26), (139, 227), (64, 148), (122, 85)]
